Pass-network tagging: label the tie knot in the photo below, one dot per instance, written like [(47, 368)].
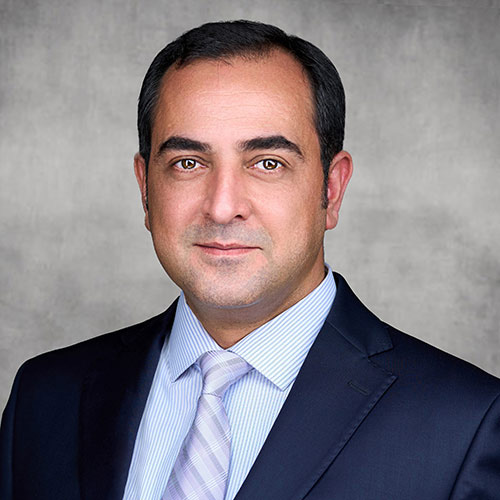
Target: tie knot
[(220, 369)]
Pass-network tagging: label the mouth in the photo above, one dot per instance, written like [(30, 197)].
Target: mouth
[(225, 249)]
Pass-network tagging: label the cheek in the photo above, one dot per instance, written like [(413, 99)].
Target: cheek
[(292, 219), (169, 210)]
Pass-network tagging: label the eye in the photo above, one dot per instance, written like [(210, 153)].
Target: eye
[(187, 164), (268, 164)]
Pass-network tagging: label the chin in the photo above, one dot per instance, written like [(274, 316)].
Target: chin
[(225, 299)]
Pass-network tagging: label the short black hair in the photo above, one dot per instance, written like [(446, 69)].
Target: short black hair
[(226, 39)]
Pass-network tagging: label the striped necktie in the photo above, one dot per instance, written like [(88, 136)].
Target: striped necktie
[(201, 468)]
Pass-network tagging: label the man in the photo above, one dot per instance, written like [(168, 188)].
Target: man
[(267, 379)]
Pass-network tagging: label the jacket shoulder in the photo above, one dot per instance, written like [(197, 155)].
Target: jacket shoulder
[(428, 366), (75, 360)]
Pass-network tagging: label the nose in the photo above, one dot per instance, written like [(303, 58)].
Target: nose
[(225, 198)]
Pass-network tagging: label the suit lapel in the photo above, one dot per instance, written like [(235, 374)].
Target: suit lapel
[(334, 392), (113, 400)]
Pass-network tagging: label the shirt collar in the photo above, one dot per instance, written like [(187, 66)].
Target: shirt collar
[(188, 340), (276, 349)]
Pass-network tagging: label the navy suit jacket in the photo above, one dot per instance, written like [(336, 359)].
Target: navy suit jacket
[(373, 414)]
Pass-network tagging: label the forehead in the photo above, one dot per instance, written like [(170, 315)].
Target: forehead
[(261, 94)]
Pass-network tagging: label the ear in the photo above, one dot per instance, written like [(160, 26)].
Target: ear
[(142, 180), (338, 177)]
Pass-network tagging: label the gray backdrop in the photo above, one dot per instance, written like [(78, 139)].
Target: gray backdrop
[(419, 235)]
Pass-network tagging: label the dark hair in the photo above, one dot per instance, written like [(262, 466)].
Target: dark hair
[(223, 40)]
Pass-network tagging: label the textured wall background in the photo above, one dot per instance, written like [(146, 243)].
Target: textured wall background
[(419, 232)]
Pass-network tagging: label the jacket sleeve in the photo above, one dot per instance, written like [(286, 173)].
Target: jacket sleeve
[(7, 442), (479, 476)]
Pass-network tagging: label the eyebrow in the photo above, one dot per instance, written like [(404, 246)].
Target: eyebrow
[(179, 143), (270, 142)]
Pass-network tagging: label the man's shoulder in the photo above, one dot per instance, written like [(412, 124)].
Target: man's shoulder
[(424, 368), (436, 371), (73, 361)]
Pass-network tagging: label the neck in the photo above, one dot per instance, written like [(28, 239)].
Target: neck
[(227, 326)]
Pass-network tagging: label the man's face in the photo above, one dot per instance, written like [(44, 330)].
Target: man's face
[(235, 184)]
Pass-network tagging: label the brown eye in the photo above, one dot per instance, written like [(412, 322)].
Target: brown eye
[(188, 164), (270, 164)]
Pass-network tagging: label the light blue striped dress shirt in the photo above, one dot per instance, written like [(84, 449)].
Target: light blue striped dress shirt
[(276, 351)]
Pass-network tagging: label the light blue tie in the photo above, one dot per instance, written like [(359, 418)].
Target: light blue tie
[(201, 469)]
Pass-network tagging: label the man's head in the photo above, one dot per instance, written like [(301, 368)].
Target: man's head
[(225, 40), (232, 171)]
